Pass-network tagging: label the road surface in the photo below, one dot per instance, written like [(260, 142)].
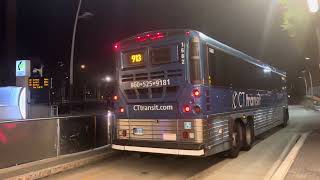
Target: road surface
[(253, 164)]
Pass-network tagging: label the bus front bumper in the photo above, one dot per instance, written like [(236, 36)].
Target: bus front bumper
[(182, 152)]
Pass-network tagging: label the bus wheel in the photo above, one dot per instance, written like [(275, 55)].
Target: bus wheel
[(236, 142), (285, 118), (248, 136)]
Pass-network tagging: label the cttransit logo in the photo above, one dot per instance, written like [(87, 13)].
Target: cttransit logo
[(154, 107), (241, 100)]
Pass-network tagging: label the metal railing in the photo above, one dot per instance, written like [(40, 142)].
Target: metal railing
[(23, 141)]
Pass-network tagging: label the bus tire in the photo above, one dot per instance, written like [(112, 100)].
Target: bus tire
[(248, 135), (285, 118), (236, 139)]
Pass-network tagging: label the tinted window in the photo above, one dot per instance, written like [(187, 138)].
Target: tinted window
[(161, 55), (226, 70), (194, 60)]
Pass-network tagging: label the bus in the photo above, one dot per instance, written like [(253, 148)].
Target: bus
[(181, 92)]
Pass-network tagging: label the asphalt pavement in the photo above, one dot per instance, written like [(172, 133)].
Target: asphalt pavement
[(253, 164)]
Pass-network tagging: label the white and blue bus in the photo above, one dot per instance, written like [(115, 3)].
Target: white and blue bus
[(181, 92)]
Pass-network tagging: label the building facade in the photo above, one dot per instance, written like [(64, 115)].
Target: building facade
[(8, 24)]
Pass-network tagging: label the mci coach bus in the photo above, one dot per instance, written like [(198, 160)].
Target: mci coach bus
[(181, 92)]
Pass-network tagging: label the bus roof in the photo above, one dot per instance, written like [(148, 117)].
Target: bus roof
[(211, 41)]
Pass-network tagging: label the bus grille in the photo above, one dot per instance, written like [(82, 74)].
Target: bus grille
[(152, 92), (151, 75)]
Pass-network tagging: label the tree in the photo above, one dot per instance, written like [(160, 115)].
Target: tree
[(296, 17), (302, 25)]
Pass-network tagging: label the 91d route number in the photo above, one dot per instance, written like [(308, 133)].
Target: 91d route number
[(150, 83)]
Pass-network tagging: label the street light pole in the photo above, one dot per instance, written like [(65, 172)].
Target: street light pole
[(305, 81), (305, 84), (307, 59), (318, 40), (311, 86), (72, 49)]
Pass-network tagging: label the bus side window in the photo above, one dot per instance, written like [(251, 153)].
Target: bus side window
[(211, 59), (194, 61)]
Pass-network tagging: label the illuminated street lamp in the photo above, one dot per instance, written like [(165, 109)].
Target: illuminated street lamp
[(313, 5), (307, 58), (107, 79), (82, 66)]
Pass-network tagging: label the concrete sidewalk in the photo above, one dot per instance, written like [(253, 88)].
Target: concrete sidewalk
[(307, 163)]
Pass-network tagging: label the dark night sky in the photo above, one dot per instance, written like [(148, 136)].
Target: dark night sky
[(45, 27)]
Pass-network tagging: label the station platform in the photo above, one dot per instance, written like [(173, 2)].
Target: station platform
[(47, 167)]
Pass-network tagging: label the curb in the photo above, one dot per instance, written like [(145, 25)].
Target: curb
[(282, 156), (280, 169), (61, 167)]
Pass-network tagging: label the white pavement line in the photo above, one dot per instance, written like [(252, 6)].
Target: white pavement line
[(283, 169), (282, 156), (61, 167)]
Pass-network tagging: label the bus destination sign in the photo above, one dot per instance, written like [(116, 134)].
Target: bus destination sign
[(136, 58), (39, 83)]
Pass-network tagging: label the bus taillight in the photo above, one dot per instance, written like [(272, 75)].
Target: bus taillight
[(121, 109), (124, 133), (185, 135), (186, 108), (196, 93), (116, 46), (115, 98)]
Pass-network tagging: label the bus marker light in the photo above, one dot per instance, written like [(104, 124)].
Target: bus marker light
[(116, 46), (196, 93), (186, 108), (155, 36)]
